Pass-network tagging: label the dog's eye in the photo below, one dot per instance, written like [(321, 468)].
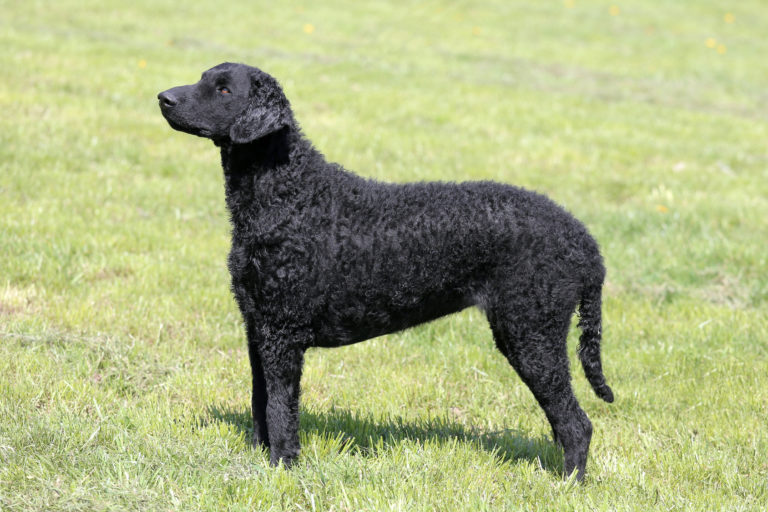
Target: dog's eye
[(224, 90)]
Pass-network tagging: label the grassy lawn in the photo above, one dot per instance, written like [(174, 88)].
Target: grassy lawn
[(124, 380)]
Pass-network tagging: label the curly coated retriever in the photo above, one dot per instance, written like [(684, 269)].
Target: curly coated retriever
[(321, 258)]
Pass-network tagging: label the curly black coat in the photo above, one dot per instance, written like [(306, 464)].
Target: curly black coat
[(322, 258)]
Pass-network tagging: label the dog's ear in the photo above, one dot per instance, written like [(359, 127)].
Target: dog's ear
[(268, 111)]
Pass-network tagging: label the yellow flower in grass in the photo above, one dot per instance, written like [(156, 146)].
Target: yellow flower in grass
[(661, 208), (711, 42), (729, 18), (615, 10), (309, 28), (569, 3), (142, 63), (721, 49)]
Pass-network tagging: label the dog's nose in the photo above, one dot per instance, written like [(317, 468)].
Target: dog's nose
[(167, 99)]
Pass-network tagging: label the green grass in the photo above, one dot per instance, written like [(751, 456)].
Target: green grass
[(124, 381)]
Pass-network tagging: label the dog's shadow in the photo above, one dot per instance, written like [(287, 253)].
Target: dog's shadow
[(363, 436)]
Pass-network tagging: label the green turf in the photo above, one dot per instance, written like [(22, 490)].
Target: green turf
[(124, 381)]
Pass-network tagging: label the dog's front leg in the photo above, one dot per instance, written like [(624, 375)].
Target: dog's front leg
[(281, 360), (259, 396)]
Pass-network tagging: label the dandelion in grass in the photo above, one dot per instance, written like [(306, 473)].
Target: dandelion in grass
[(615, 10), (309, 28), (729, 18), (142, 63), (721, 49), (569, 3), (661, 208), (711, 42)]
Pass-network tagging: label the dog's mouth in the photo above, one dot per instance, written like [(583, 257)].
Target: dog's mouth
[(200, 131)]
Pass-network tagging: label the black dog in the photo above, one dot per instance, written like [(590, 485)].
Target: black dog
[(322, 258)]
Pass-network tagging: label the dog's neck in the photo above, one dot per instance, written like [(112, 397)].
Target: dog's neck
[(265, 172), (258, 156)]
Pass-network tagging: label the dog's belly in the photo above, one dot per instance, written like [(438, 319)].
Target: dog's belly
[(337, 327)]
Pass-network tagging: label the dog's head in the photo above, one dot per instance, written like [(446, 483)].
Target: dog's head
[(231, 103)]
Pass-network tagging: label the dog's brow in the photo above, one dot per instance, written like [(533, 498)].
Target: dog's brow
[(216, 77)]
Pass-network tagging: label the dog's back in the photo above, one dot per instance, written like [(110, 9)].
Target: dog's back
[(388, 256)]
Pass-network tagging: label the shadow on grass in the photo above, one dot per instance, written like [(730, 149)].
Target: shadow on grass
[(363, 435)]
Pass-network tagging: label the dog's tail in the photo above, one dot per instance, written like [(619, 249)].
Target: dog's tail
[(590, 311)]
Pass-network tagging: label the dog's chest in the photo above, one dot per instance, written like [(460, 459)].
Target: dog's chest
[(269, 257)]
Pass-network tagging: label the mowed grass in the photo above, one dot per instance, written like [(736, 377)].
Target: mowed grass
[(124, 381)]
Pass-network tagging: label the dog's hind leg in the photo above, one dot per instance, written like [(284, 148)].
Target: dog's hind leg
[(536, 348)]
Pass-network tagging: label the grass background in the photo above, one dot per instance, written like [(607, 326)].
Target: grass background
[(124, 381)]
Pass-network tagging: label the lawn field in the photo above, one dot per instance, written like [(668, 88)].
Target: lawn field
[(124, 378)]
